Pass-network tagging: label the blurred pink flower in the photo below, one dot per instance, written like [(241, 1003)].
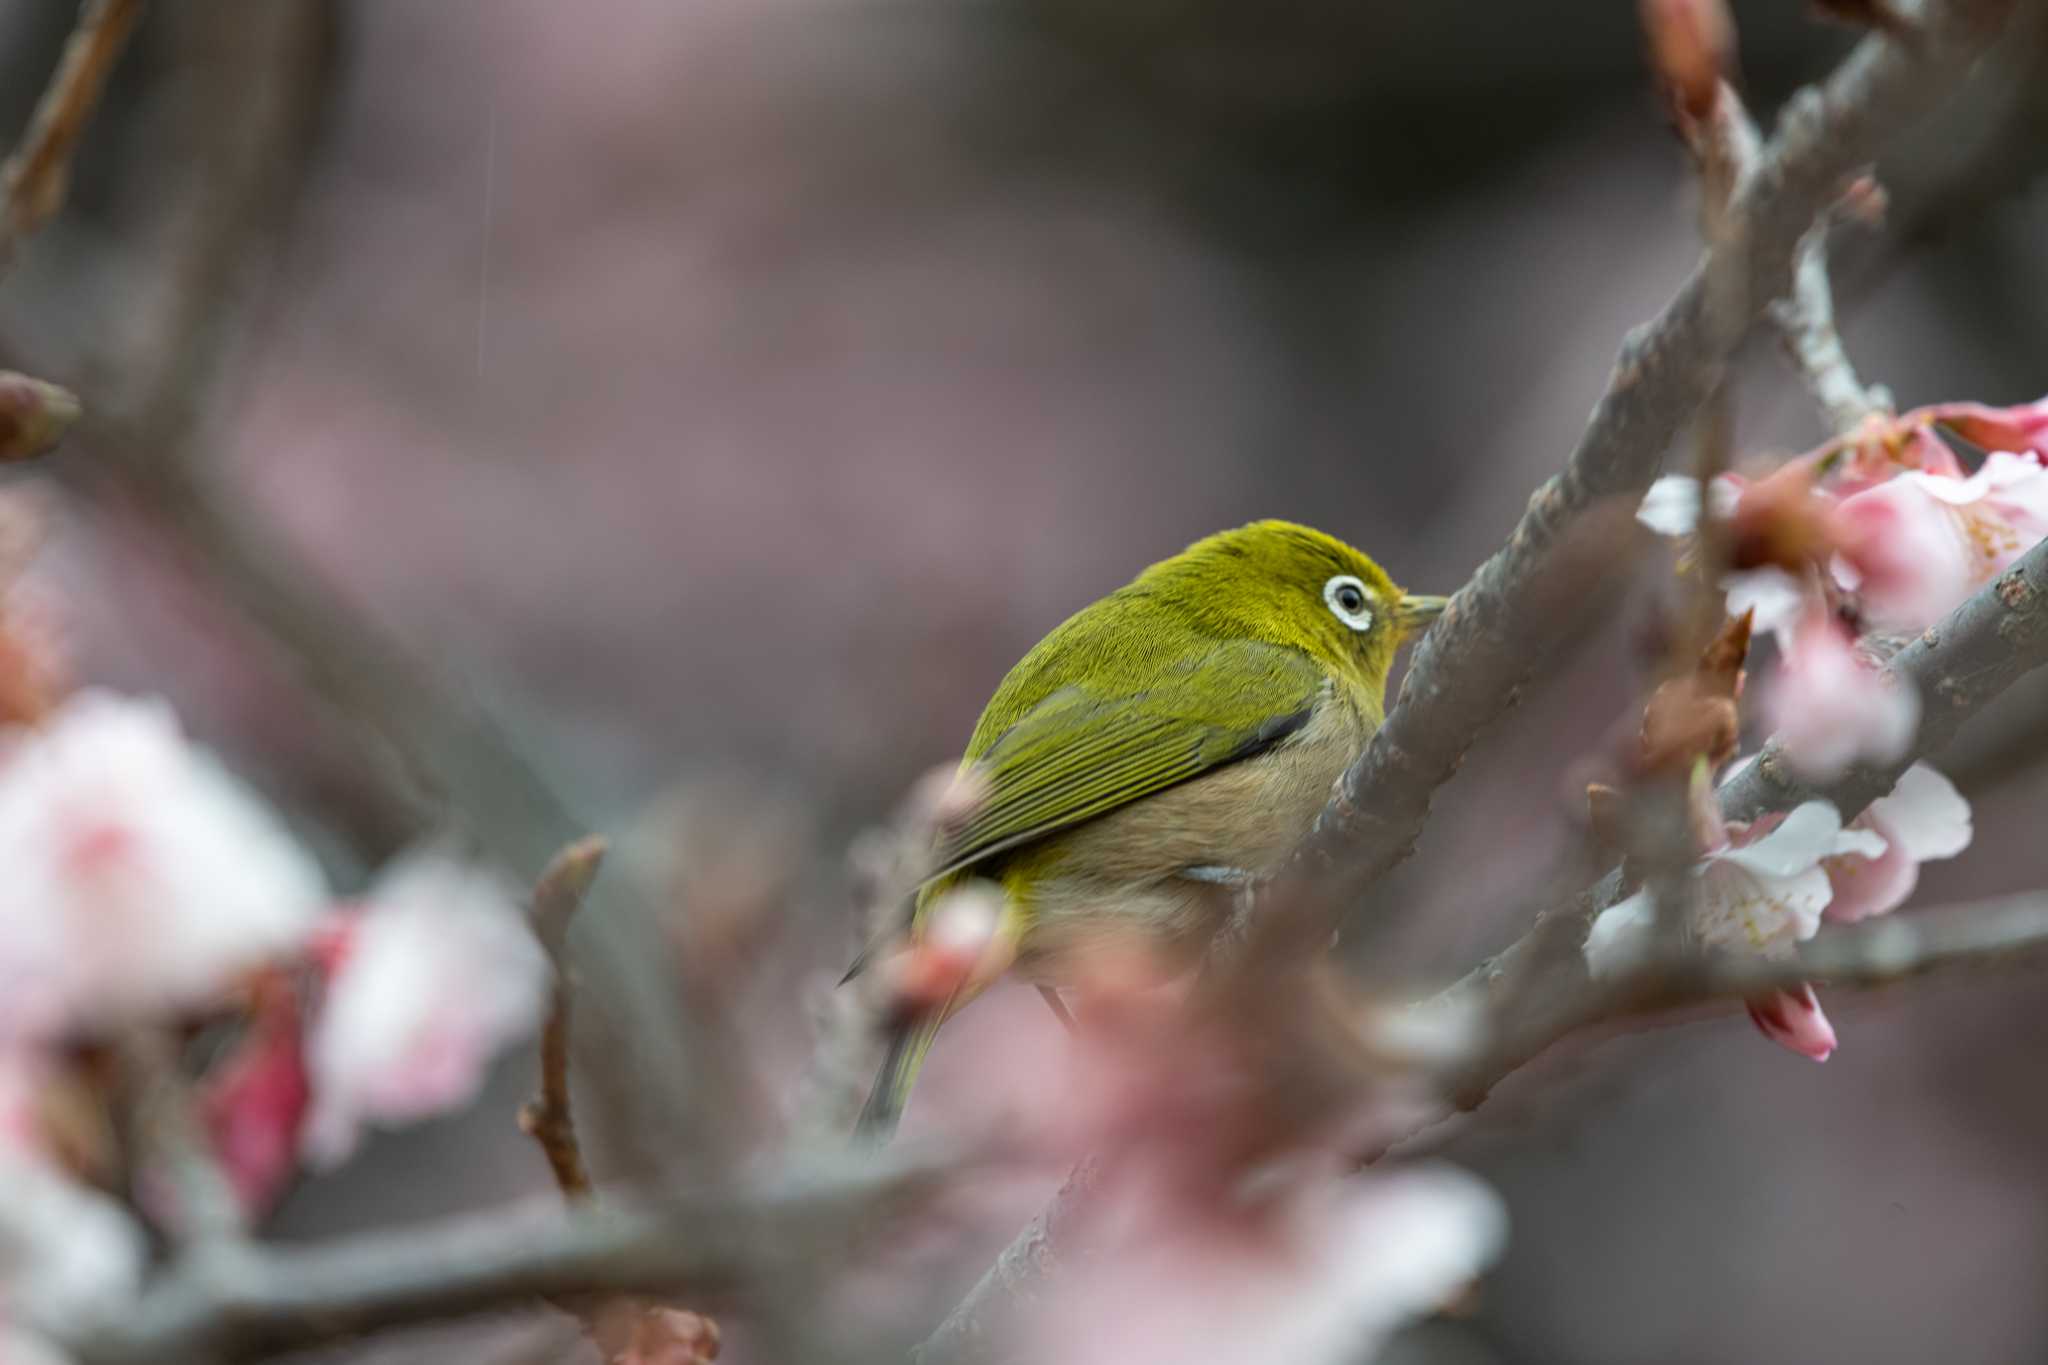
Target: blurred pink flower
[(1923, 818), (1318, 1272), (143, 877), (1226, 1217), (1831, 709), (428, 980), (1917, 545), (1881, 449), (1793, 1020), (969, 940)]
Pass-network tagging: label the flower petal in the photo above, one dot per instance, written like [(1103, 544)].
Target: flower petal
[(440, 973), (1776, 597), (1619, 936), (1804, 837), (1925, 815), (1831, 709), (1671, 507), (1743, 912)]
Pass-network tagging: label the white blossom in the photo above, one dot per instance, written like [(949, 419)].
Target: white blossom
[(142, 876), (1762, 896), (434, 975)]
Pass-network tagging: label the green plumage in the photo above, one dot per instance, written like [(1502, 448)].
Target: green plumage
[(1183, 728)]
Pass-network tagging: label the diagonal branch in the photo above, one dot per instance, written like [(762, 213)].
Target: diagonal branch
[(251, 1303), (1508, 621)]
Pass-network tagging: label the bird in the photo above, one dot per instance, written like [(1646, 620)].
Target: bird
[(1161, 748)]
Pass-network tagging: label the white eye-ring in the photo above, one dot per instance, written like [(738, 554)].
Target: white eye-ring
[(1351, 600)]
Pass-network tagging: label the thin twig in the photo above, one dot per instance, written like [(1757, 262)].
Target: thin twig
[(1806, 321), (885, 866), (548, 1118), (170, 1150), (35, 178)]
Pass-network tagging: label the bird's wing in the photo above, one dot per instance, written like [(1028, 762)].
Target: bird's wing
[(1079, 754)]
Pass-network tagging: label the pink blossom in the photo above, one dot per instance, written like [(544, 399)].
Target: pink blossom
[(1901, 554), (1316, 1273), (1226, 1218), (142, 876), (429, 980), (1923, 818), (1831, 709), (1881, 450), (1762, 889), (1916, 546)]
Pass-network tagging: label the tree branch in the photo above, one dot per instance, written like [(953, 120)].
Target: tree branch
[(242, 1304), (1806, 319), (1509, 620)]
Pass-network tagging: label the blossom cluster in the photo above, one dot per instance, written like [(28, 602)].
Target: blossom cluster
[(1879, 532), (150, 888)]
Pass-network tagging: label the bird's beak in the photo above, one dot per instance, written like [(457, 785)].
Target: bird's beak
[(1415, 611)]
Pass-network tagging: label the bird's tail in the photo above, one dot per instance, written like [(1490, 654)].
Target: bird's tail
[(905, 1058)]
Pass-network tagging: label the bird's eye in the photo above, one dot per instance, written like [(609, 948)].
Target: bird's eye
[(1350, 600)]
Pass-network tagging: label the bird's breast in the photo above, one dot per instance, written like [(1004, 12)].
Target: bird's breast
[(1124, 871)]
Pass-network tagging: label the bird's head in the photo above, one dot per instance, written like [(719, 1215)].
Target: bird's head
[(1293, 585)]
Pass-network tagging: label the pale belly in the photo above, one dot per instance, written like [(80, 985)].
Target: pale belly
[(1158, 868)]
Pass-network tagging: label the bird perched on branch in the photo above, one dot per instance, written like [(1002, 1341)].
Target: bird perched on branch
[(1161, 748)]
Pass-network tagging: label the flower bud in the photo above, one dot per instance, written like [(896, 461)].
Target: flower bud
[(34, 415), (1691, 47)]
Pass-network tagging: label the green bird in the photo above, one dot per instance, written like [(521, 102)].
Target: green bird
[(1162, 746)]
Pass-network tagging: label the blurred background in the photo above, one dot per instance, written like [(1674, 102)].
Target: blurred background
[(726, 393)]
